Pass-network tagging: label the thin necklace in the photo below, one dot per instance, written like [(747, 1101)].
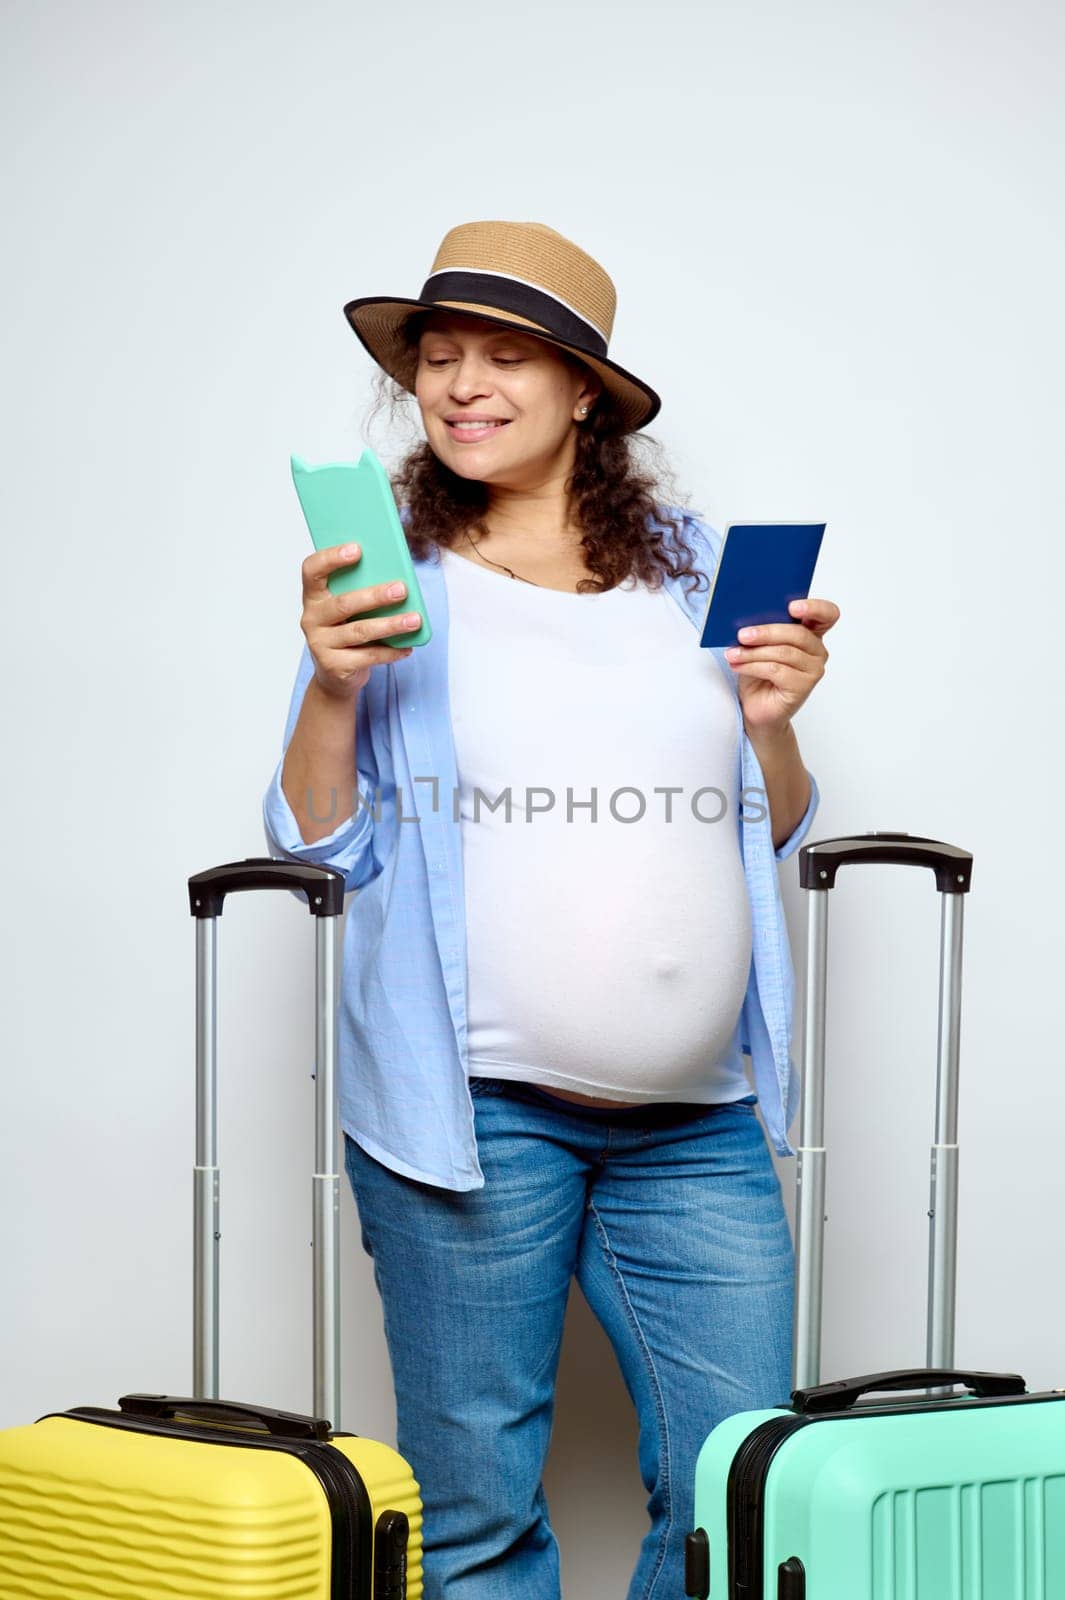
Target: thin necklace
[(500, 565)]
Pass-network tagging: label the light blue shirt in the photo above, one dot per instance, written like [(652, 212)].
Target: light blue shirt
[(401, 1026)]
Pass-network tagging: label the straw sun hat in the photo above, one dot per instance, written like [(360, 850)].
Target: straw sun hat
[(520, 274)]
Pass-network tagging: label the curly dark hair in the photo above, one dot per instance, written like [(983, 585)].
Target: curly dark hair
[(612, 495)]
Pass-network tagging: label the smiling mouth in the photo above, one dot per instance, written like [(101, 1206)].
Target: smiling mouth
[(476, 427)]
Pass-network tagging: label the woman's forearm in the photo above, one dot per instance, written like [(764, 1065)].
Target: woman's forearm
[(319, 778), (786, 780)]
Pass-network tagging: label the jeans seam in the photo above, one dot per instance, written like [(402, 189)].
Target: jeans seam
[(660, 1410)]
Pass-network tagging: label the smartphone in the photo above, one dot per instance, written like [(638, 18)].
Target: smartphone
[(762, 567), (345, 501)]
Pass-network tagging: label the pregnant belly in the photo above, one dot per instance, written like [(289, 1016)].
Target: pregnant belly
[(624, 972)]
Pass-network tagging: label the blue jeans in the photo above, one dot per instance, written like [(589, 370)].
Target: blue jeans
[(672, 1220)]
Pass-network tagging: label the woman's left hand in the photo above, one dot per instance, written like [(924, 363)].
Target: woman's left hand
[(778, 663)]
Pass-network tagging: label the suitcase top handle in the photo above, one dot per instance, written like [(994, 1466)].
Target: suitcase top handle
[(819, 862), (323, 886), (282, 1424), (839, 1396)]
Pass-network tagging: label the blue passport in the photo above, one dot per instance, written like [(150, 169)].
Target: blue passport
[(762, 566)]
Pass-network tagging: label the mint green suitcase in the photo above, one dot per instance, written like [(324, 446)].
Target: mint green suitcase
[(853, 1491)]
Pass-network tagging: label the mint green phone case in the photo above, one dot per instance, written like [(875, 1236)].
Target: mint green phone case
[(352, 501)]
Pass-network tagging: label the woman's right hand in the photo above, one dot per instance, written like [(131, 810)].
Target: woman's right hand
[(344, 651)]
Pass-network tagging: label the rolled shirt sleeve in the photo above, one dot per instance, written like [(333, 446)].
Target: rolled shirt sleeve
[(346, 848)]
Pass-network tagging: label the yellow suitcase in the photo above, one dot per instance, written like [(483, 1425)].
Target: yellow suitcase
[(197, 1498)]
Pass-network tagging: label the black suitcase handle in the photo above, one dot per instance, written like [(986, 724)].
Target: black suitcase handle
[(323, 886), (839, 1396), (819, 862), (282, 1424)]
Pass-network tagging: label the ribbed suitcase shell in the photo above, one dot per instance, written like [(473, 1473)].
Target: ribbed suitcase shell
[(88, 1511), (960, 1500)]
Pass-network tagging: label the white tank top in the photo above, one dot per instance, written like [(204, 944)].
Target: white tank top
[(608, 951)]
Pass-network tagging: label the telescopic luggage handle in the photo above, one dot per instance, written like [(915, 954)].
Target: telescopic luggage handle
[(819, 864), (324, 891), (323, 886)]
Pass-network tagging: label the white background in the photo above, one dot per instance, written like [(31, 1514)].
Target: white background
[(837, 239)]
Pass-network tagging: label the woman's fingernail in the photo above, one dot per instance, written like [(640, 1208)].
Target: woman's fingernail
[(348, 551), (747, 633), (733, 651)]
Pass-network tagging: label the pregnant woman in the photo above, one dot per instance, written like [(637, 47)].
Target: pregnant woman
[(563, 820)]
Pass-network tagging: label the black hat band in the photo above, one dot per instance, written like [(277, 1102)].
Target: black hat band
[(496, 291)]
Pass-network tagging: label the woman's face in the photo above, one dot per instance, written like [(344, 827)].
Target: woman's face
[(471, 369)]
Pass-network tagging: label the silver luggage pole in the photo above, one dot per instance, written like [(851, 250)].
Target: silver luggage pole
[(324, 890), (819, 863)]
